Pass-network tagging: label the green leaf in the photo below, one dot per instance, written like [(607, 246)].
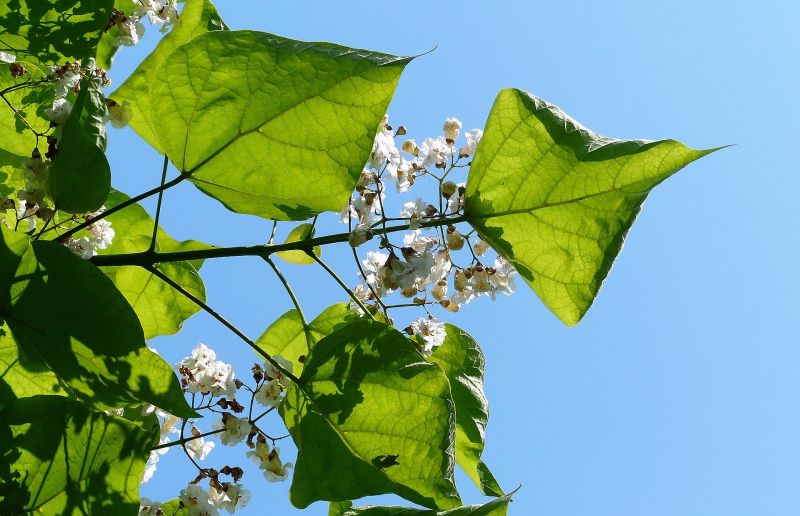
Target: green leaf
[(160, 308), (299, 233), (18, 141), (79, 179), (556, 199), (496, 507), (60, 458), (269, 126), (197, 17), (286, 337), (461, 359), (173, 508), (64, 312), (53, 32), (344, 450), (22, 375)]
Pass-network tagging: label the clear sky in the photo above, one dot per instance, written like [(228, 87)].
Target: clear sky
[(678, 393)]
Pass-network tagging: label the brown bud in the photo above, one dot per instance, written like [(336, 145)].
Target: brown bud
[(17, 70), (401, 131)]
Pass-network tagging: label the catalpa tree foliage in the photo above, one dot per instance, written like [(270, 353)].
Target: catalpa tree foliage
[(289, 131)]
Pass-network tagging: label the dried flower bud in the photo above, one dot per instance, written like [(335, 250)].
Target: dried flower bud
[(401, 131), (409, 292), (17, 70), (411, 147), (439, 292)]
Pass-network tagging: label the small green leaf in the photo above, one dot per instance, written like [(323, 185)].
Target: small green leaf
[(161, 309), (53, 33), (363, 369), (60, 458), (496, 507), (79, 179), (556, 199), (197, 17), (267, 125), (299, 233), (461, 359), (65, 313), (286, 337)]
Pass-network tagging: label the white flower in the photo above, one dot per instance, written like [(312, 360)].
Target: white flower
[(384, 150), (67, 82), (198, 448), (403, 175), (434, 152), (452, 126), (82, 247), (363, 294), (236, 429), (196, 501), (169, 423), (233, 497), (441, 266), (60, 111), (273, 373), (101, 233), (131, 31), (270, 462), (269, 393), (503, 278), (431, 331), (417, 242), (473, 138), (7, 58), (203, 373), (456, 201), (480, 247), (150, 466), (415, 211), (147, 507)]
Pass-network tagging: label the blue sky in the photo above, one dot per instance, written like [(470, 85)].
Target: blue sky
[(678, 393)]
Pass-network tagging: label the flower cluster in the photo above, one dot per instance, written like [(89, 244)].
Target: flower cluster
[(203, 373), (163, 13), (99, 235), (427, 266)]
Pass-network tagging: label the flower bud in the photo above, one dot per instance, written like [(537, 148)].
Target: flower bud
[(454, 239), (411, 147), (452, 127), (409, 292), (448, 189), (17, 70), (439, 292), (460, 280), (480, 247), (359, 235), (401, 131), (449, 305)]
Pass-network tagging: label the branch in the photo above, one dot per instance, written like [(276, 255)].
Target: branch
[(125, 204), (213, 313), (149, 258), (158, 205)]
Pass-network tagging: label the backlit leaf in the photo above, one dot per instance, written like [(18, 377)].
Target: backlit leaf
[(345, 452), (556, 199)]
